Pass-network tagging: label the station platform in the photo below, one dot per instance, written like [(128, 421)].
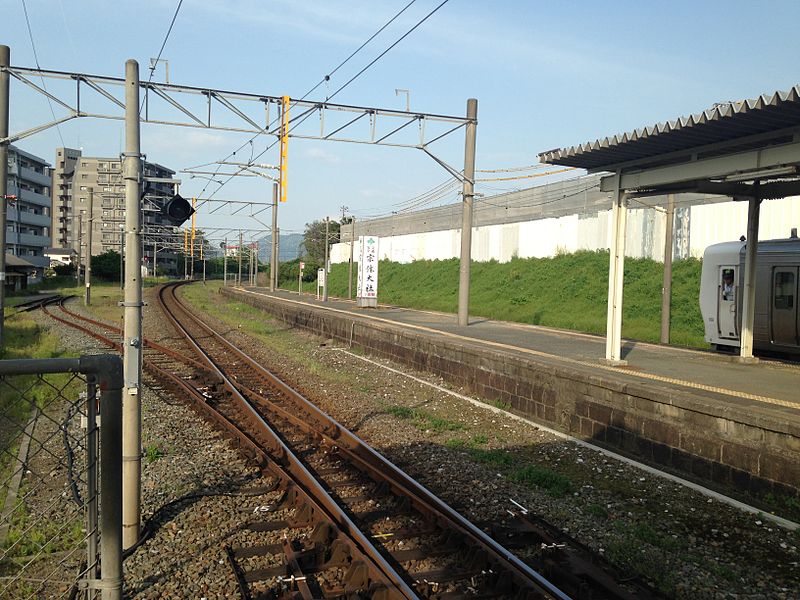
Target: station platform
[(698, 411), (770, 381)]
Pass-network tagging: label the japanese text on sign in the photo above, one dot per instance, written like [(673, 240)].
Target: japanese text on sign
[(368, 267)]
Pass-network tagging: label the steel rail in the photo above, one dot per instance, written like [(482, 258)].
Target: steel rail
[(382, 469), (300, 472), (380, 585)]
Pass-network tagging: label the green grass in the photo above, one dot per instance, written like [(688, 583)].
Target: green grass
[(527, 474), (252, 321), (152, 453), (19, 394), (541, 477), (424, 420), (568, 291), (597, 511)]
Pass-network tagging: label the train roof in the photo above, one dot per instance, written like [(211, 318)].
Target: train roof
[(791, 244), (723, 249)]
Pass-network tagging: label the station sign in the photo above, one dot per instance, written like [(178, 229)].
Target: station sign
[(367, 284)]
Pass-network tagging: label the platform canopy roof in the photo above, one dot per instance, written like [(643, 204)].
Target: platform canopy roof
[(748, 140)]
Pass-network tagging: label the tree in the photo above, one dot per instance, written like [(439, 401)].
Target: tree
[(314, 239), (106, 265)]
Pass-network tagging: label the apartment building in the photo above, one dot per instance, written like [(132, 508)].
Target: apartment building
[(29, 218), (61, 194), (102, 179)]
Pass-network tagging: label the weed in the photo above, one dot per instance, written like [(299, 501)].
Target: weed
[(455, 443), (535, 476), (401, 412), (152, 453), (495, 458), (424, 420), (479, 439), (501, 405), (597, 511)]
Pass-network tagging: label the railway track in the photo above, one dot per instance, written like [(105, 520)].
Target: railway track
[(356, 525)]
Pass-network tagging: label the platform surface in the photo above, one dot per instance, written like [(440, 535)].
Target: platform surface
[(769, 383)]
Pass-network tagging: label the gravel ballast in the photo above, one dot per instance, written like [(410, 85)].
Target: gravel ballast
[(680, 541)]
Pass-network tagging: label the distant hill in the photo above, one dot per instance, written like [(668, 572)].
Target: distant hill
[(288, 245)]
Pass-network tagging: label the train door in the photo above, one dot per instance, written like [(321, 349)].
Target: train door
[(727, 323), (784, 311)]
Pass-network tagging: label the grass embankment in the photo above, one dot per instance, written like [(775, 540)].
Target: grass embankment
[(567, 291), (21, 394)]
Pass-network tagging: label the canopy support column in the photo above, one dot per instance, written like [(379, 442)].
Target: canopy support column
[(616, 270), (749, 297)]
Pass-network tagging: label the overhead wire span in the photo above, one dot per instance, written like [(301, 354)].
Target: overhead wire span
[(529, 176), (310, 111), (513, 169), (38, 66), (381, 55), (161, 50)]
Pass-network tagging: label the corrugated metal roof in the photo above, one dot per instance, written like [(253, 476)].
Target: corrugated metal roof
[(15, 261), (724, 122)]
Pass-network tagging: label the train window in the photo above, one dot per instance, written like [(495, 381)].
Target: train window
[(784, 290), (727, 284)]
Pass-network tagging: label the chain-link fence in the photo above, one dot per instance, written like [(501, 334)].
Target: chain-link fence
[(60, 459)]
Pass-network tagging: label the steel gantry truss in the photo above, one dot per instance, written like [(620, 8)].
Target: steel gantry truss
[(220, 102), (120, 99)]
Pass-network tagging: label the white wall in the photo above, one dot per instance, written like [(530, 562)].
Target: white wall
[(707, 224)]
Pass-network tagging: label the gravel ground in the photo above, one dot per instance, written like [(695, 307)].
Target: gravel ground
[(685, 544)]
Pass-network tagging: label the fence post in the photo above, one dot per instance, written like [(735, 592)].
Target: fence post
[(92, 526), (109, 374)]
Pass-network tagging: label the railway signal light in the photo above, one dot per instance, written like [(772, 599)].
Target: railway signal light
[(177, 210)]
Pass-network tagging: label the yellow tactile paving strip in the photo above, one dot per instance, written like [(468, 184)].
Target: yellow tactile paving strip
[(573, 361)]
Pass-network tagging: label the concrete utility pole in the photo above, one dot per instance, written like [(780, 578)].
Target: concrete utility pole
[(121, 254), (239, 276), (80, 248), (5, 61), (225, 264), (666, 286), (250, 264), (273, 261), (185, 254), (350, 264), (468, 193), (277, 255), (191, 245), (90, 223), (749, 298), (325, 265), (255, 264), (203, 258), (132, 341)]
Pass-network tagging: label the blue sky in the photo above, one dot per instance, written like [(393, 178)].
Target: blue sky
[(546, 75)]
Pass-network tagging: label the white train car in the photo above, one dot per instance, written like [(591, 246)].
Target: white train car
[(776, 325)]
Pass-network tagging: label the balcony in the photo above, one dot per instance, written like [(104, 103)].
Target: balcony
[(34, 177), (28, 218), (26, 239), (29, 196)]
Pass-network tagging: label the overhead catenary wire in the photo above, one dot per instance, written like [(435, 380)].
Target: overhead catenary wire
[(38, 66), (513, 169), (275, 120), (309, 112), (161, 50), (530, 176)]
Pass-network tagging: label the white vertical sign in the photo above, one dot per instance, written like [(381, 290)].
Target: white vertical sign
[(368, 269)]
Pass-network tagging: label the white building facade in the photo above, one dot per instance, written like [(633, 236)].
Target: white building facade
[(567, 217)]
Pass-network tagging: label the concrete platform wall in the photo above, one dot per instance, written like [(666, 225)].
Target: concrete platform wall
[(701, 438)]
